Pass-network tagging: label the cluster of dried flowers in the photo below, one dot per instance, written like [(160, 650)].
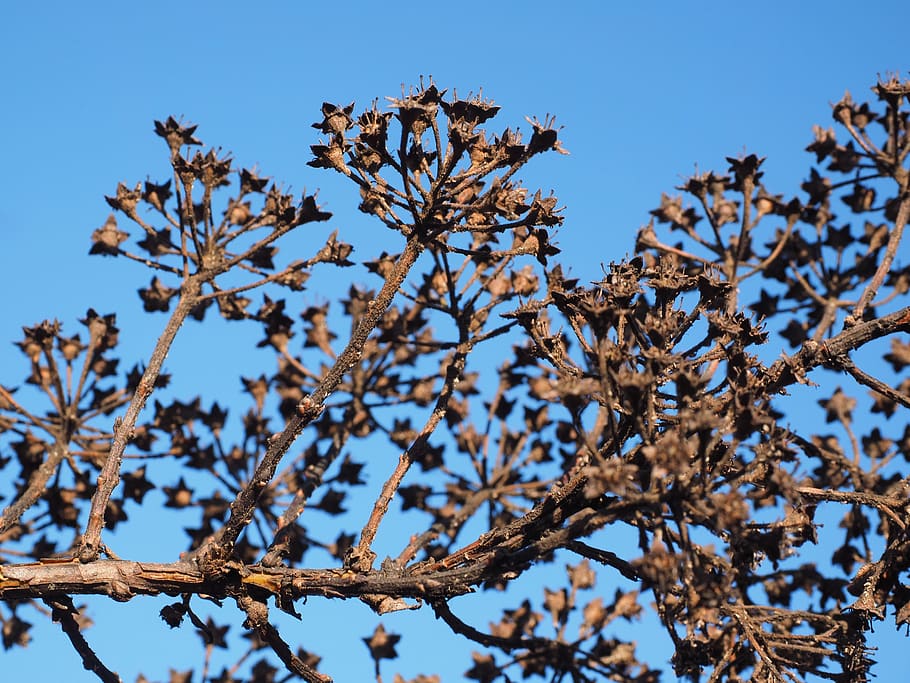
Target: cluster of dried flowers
[(651, 400)]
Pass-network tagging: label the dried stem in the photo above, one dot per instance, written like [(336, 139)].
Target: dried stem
[(37, 485), (362, 557), (109, 476), (884, 267), (64, 612), (258, 621), (241, 511)]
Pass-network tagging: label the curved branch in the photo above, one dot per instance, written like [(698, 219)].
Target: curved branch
[(63, 611)]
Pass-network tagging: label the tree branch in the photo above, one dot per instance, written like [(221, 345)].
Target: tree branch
[(792, 369), (257, 619), (63, 611), (884, 267), (241, 510), (109, 476), (361, 556)]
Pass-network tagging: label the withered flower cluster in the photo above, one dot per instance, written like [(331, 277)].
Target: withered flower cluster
[(654, 399)]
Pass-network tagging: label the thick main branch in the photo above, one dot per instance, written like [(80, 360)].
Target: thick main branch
[(124, 579)]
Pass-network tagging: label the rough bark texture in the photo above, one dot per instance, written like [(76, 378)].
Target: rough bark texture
[(655, 399)]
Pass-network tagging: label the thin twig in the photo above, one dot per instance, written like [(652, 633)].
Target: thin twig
[(241, 510), (258, 620), (15, 406), (876, 385), (313, 476), (778, 248), (605, 557), (758, 644), (109, 477), (362, 555), (64, 612), (37, 485), (884, 267), (790, 369), (885, 504)]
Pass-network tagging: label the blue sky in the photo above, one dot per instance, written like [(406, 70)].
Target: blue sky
[(646, 91)]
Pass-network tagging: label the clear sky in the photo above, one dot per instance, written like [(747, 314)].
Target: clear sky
[(646, 91)]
